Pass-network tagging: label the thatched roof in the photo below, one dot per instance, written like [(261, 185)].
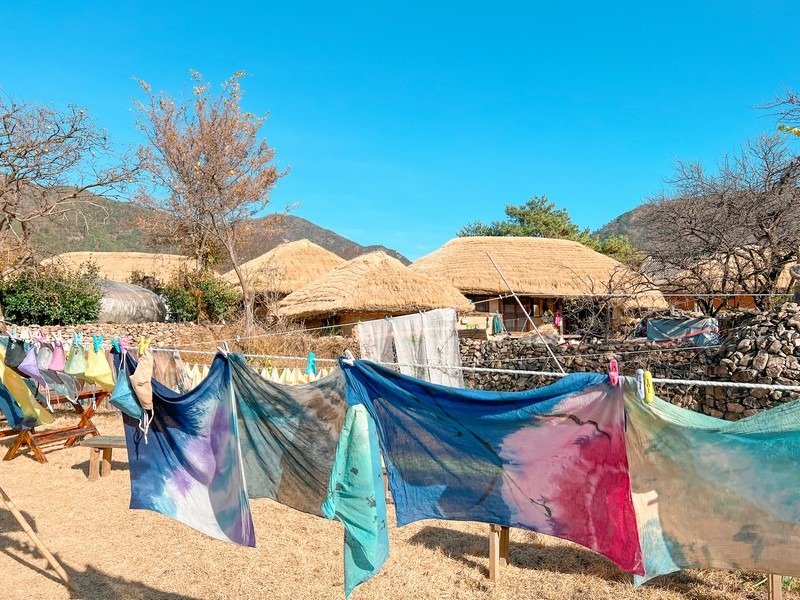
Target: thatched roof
[(118, 266), (287, 268), (373, 282), (540, 267)]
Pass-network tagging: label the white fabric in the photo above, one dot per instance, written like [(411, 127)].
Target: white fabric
[(440, 337), (375, 341), (410, 345)]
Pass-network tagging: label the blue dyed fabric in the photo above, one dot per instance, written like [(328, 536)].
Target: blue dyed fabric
[(189, 467), (288, 435), (10, 409), (356, 498), (550, 460), (123, 397), (711, 493)]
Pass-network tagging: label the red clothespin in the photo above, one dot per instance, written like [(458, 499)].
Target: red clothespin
[(613, 372)]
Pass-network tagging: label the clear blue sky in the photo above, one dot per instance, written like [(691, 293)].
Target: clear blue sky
[(403, 121)]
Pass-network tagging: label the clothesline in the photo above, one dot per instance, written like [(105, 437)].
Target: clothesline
[(666, 381)]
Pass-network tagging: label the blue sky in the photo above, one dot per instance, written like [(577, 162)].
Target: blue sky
[(402, 122)]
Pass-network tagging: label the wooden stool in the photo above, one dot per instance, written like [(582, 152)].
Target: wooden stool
[(106, 443)]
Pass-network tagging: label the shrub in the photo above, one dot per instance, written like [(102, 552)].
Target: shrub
[(194, 296), (52, 295)]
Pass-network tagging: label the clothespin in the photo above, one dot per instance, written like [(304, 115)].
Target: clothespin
[(97, 342), (224, 349), (613, 372), (349, 358), (124, 341), (14, 331), (115, 344), (144, 344), (77, 338), (649, 389), (640, 383), (59, 336), (311, 364)]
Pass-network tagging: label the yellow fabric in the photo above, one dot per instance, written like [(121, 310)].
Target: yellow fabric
[(98, 370), (141, 380), (22, 393)]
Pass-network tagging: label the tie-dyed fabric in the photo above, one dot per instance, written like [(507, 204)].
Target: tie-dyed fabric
[(288, 435), (715, 494), (550, 460), (356, 498), (189, 467)]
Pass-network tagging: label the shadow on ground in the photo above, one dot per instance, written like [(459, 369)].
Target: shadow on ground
[(568, 559)]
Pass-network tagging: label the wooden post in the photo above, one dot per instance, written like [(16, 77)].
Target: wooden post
[(494, 551), (105, 466), (94, 464), (774, 586), (37, 542), (504, 532)]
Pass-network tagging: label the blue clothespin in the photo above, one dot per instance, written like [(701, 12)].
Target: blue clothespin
[(311, 364), (613, 372), (97, 342), (115, 343)]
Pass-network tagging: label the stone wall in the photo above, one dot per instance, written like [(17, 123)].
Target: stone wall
[(765, 350)]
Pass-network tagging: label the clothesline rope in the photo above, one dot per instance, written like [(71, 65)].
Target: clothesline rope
[(666, 381)]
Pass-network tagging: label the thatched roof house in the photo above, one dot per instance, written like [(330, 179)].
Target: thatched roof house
[(118, 266), (287, 268), (544, 271), (370, 286)]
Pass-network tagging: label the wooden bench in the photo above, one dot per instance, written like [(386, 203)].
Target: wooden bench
[(106, 443)]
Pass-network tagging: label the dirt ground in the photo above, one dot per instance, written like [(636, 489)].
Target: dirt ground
[(113, 552)]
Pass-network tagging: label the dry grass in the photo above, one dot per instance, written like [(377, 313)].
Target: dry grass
[(113, 552), (119, 266)]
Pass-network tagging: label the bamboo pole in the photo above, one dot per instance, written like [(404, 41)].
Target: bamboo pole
[(525, 312), (36, 541)]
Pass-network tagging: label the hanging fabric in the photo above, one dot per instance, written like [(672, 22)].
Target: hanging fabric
[(15, 353), (63, 384), (123, 397), (356, 498), (191, 469), (409, 345), (59, 360), (440, 337), (288, 436), (12, 411), (714, 494), (21, 393), (375, 341), (550, 460), (142, 379), (76, 362), (29, 367), (98, 370)]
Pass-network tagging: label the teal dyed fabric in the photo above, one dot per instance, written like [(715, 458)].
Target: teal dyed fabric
[(123, 398), (288, 435), (356, 498), (710, 493)]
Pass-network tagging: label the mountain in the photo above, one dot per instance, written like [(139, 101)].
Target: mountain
[(99, 224), (628, 223)]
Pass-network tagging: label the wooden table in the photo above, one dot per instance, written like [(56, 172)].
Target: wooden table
[(106, 443), (69, 435)]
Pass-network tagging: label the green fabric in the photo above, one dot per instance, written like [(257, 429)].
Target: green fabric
[(711, 493), (356, 498)]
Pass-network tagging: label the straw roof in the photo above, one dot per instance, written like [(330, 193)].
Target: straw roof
[(118, 266), (287, 268), (540, 267), (373, 282)]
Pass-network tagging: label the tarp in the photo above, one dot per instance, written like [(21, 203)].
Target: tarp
[(129, 303), (715, 494), (288, 435), (550, 460), (190, 468), (700, 332)]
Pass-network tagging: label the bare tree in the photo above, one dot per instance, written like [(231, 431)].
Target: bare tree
[(210, 174), (52, 161), (716, 235)]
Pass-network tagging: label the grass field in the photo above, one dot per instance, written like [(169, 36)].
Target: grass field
[(113, 552)]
